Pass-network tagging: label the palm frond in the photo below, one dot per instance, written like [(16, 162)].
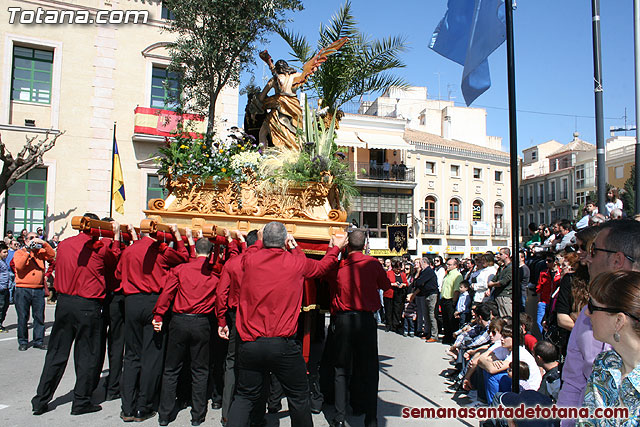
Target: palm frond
[(300, 49), (342, 24)]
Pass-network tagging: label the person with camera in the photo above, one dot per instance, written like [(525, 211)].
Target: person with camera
[(30, 267)]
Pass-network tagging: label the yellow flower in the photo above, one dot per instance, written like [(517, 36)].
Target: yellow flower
[(221, 151), (223, 170), (183, 146)]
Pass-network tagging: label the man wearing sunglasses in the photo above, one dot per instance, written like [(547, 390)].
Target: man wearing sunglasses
[(616, 247)]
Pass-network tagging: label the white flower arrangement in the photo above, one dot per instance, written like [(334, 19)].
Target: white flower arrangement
[(245, 159)]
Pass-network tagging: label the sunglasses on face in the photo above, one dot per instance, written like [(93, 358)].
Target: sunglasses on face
[(593, 308), (593, 249)]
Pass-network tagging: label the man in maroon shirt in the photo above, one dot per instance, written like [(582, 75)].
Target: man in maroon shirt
[(114, 320), (191, 288), (142, 271), (267, 319), (81, 263), (354, 295)]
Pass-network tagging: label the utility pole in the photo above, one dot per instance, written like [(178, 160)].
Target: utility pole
[(597, 77), (636, 50)]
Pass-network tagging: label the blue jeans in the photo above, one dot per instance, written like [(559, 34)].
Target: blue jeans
[(492, 383), (542, 308), (408, 325), (26, 298)]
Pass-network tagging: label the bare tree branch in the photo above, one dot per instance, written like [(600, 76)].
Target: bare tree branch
[(29, 157)]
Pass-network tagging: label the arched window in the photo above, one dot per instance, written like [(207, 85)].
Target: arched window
[(476, 210), (454, 209), (430, 214), (498, 215)]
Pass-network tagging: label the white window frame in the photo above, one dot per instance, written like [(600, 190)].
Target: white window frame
[(457, 169), (433, 167), (479, 170), (11, 40)]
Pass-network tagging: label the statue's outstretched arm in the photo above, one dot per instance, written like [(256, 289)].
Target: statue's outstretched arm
[(312, 65)]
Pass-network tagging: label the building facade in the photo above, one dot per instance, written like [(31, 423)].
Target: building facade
[(556, 180), (453, 195), (93, 83)]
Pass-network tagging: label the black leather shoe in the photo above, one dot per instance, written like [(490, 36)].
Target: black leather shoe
[(40, 346), (163, 422), (41, 410), (127, 417), (197, 422), (22, 347), (337, 424), (142, 416), (86, 409), (216, 405)]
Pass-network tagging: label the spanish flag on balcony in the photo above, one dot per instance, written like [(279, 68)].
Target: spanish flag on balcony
[(117, 179)]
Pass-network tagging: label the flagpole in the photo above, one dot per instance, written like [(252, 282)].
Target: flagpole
[(113, 160), (516, 296), (597, 80), (636, 50)]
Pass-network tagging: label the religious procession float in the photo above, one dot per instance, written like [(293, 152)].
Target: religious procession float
[(284, 166)]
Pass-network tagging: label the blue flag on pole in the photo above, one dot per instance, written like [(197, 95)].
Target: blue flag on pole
[(469, 32)]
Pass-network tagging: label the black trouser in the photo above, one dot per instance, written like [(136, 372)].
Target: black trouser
[(283, 358), (218, 348), (77, 319), (356, 345), (144, 350), (4, 304), (399, 297), (188, 336), (388, 312), (421, 308), (230, 365), (115, 341), (448, 320)]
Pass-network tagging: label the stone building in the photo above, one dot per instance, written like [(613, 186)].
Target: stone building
[(83, 79), (453, 194)]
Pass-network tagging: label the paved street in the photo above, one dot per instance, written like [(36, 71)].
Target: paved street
[(410, 376)]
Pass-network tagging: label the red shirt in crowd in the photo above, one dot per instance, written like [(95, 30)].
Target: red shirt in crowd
[(391, 275), (143, 266), (271, 289), (113, 284), (81, 266), (354, 285), (545, 286), (191, 287), (228, 289)]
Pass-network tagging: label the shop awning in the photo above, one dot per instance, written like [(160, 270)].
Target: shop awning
[(349, 138)]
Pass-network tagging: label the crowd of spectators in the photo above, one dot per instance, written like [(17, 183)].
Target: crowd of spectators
[(576, 334), (577, 328)]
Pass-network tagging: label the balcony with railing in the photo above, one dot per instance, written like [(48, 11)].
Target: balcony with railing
[(384, 172), (464, 228), (564, 195)]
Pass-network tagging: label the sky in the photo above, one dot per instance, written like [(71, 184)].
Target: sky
[(554, 62)]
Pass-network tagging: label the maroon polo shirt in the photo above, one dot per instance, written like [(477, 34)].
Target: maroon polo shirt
[(191, 287), (271, 289), (143, 266), (354, 285), (228, 289), (81, 266)]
